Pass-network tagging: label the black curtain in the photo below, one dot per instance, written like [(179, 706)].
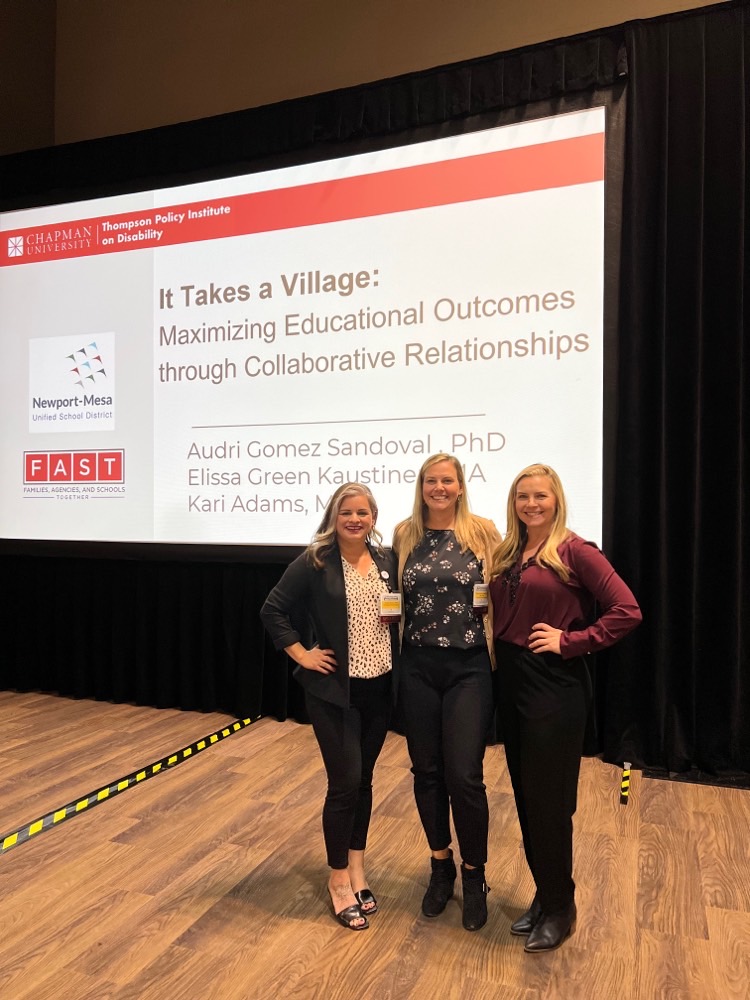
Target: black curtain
[(675, 694), (167, 634), (682, 489)]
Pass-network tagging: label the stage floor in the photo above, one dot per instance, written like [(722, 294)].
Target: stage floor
[(208, 880)]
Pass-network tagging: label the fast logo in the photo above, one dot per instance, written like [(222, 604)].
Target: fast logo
[(74, 466)]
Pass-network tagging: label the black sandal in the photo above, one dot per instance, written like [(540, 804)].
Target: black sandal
[(352, 912), (365, 898)]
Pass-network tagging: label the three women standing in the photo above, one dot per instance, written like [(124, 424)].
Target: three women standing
[(333, 597), (555, 599), (445, 689)]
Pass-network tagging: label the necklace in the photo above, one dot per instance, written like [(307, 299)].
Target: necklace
[(512, 575)]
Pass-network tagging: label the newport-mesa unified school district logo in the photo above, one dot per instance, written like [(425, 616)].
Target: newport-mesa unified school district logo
[(87, 366), (72, 383), (15, 246)]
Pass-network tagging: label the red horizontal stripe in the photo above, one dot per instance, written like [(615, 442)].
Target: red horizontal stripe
[(562, 163)]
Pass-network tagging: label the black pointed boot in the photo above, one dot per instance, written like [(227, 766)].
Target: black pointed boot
[(440, 889), (475, 897), (528, 920)]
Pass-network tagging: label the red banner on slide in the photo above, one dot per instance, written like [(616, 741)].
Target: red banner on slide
[(562, 163)]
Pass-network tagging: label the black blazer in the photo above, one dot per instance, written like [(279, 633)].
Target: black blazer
[(308, 605)]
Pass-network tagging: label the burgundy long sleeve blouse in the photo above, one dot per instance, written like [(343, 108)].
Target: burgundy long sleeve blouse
[(541, 596)]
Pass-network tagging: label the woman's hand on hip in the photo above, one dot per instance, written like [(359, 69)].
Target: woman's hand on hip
[(321, 660), (545, 639)]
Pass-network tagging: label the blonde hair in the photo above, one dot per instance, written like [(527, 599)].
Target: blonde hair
[(409, 532), (515, 537), (324, 538)]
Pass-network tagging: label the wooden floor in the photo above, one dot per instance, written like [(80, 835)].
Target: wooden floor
[(208, 881)]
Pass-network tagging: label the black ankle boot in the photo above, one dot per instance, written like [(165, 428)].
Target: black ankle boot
[(528, 920), (440, 889), (475, 897), (551, 930)]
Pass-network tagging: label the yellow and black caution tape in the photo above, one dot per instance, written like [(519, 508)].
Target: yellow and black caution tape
[(625, 783), (109, 791)]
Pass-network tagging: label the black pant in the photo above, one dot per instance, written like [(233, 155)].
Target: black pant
[(543, 704), (350, 740), (446, 698)]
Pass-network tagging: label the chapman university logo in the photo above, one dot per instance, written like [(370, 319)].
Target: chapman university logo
[(15, 246)]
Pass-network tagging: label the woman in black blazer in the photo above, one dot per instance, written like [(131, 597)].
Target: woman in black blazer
[(335, 590)]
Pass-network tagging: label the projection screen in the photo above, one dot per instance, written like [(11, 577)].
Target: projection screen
[(206, 363)]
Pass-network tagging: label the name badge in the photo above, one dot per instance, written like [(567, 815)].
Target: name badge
[(481, 598), (390, 608)]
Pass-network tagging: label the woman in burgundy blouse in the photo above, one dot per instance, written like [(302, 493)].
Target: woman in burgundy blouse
[(555, 598)]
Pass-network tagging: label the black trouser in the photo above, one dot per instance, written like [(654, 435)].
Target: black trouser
[(543, 704), (446, 699), (350, 740)]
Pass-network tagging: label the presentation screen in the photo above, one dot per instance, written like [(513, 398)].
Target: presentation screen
[(207, 363)]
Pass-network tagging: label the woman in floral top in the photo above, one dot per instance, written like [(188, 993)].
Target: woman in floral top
[(445, 689)]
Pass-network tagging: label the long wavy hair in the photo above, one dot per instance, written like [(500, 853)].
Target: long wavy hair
[(324, 539), (409, 532), (514, 541)]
